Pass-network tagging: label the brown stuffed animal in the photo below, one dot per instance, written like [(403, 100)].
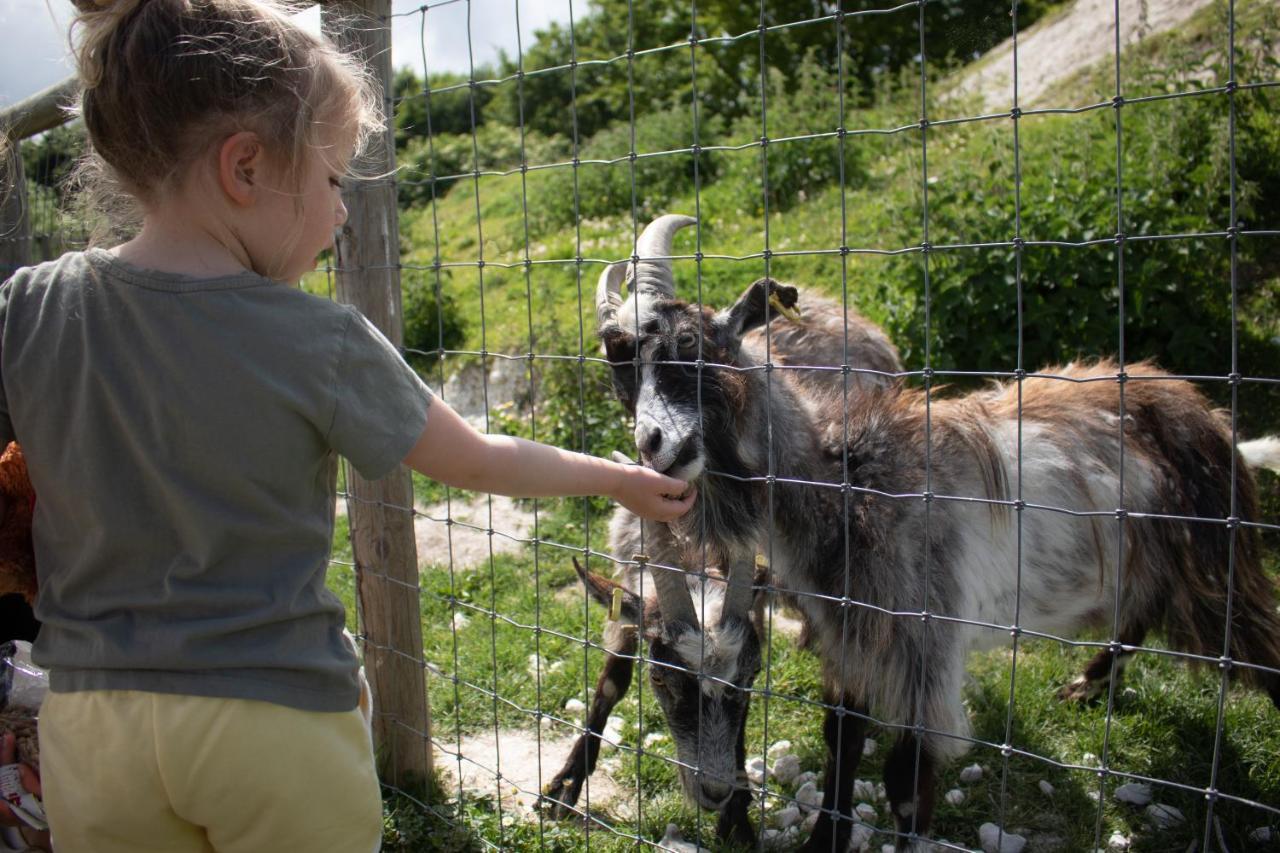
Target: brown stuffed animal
[(17, 555)]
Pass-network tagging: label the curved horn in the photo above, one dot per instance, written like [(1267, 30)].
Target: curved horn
[(739, 591), (609, 294), (673, 595), (653, 248)]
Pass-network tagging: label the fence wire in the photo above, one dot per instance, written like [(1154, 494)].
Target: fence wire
[(484, 798), (775, 690)]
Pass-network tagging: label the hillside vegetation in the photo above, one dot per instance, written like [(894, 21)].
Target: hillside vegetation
[(1159, 165)]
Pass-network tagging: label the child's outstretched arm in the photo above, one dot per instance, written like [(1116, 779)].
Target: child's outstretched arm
[(451, 451)]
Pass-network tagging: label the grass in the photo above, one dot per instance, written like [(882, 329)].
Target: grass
[(1164, 719)]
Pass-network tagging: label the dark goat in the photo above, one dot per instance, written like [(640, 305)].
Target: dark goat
[(682, 616), (913, 529)]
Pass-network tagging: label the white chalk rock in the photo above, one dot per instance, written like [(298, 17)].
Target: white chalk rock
[(575, 706), (675, 842), (1089, 760), (779, 749), (887, 848), (806, 776), (1046, 788), (868, 747), (1117, 841), (652, 738), (808, 797), (1262, 835), (866, 811), (971, 774), (810, 820), (556, 667), (756, 770), (535, 663), (612, 734), (770, 837), (881, 793), (863, 790), (1134, 793), (786, 817), (955, 796), (460, 620), (860, 835), (1164, 816), (544, 722), (993, 841), (786, 769)]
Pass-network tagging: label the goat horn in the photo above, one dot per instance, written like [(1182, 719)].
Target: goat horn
[(609, 294), (673, 595), (739, 590), (653, 249)]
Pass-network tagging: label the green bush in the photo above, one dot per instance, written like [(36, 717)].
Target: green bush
[(432, 321), (1174, 180)]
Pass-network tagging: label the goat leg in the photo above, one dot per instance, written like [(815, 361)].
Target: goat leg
[(562, 793), (845, 730), (734, 824), (911, 787), (1093, 683)]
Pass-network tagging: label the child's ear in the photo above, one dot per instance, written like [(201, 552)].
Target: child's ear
[(240, 161)]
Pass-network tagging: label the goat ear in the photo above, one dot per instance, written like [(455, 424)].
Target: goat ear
[(602, 590), (751, 308)]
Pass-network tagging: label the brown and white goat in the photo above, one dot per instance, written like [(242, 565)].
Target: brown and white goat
[(912, 529), (704, 697)]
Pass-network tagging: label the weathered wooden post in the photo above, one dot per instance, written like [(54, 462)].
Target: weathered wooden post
[(382, 539), (43, 110)]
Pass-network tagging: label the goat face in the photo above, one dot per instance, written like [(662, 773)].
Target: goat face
[(668, 359), (702, 678)]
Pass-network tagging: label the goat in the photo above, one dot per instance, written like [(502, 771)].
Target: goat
[(706, 725), (912, 528)]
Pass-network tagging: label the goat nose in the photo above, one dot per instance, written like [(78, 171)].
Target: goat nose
[(648, 439)]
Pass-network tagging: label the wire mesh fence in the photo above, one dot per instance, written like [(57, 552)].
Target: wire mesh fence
[(508, 233)]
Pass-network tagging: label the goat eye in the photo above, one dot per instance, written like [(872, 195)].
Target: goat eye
[(687, 341)]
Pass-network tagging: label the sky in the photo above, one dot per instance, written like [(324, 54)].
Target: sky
[(34, 52)]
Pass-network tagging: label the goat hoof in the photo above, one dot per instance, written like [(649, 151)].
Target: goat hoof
[(1082, 691), (560, 797)]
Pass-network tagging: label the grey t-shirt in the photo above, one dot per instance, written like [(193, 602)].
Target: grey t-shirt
[(182, 437)]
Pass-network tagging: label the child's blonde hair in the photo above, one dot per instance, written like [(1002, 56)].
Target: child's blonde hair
[(165, 79)]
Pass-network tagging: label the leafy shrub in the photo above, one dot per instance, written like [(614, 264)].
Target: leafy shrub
[(605, 189), (429, 167), (803, 106), (431, 320), (1175, 181)]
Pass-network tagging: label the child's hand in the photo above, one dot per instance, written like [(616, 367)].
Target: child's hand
[(651, 495)]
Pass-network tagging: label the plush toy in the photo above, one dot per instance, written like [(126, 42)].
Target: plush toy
[(17, 556)]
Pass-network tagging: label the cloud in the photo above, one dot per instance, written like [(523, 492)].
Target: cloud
[(36, 54)]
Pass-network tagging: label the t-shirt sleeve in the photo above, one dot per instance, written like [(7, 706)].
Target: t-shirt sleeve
[(6, 423), (380, 403)]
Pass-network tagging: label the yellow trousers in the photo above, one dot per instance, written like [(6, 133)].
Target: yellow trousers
[(130, 772)]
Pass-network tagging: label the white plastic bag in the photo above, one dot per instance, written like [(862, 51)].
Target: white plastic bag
[(23, 685)]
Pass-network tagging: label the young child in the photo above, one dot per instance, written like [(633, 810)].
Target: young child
[(182, 408)]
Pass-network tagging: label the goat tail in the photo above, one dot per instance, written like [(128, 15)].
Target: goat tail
[(1262, 453)]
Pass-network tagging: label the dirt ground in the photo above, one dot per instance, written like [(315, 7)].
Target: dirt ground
[(1071, 40)]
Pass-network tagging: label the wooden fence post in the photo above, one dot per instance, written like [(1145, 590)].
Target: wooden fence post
[(42, 111), (382, 536)]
